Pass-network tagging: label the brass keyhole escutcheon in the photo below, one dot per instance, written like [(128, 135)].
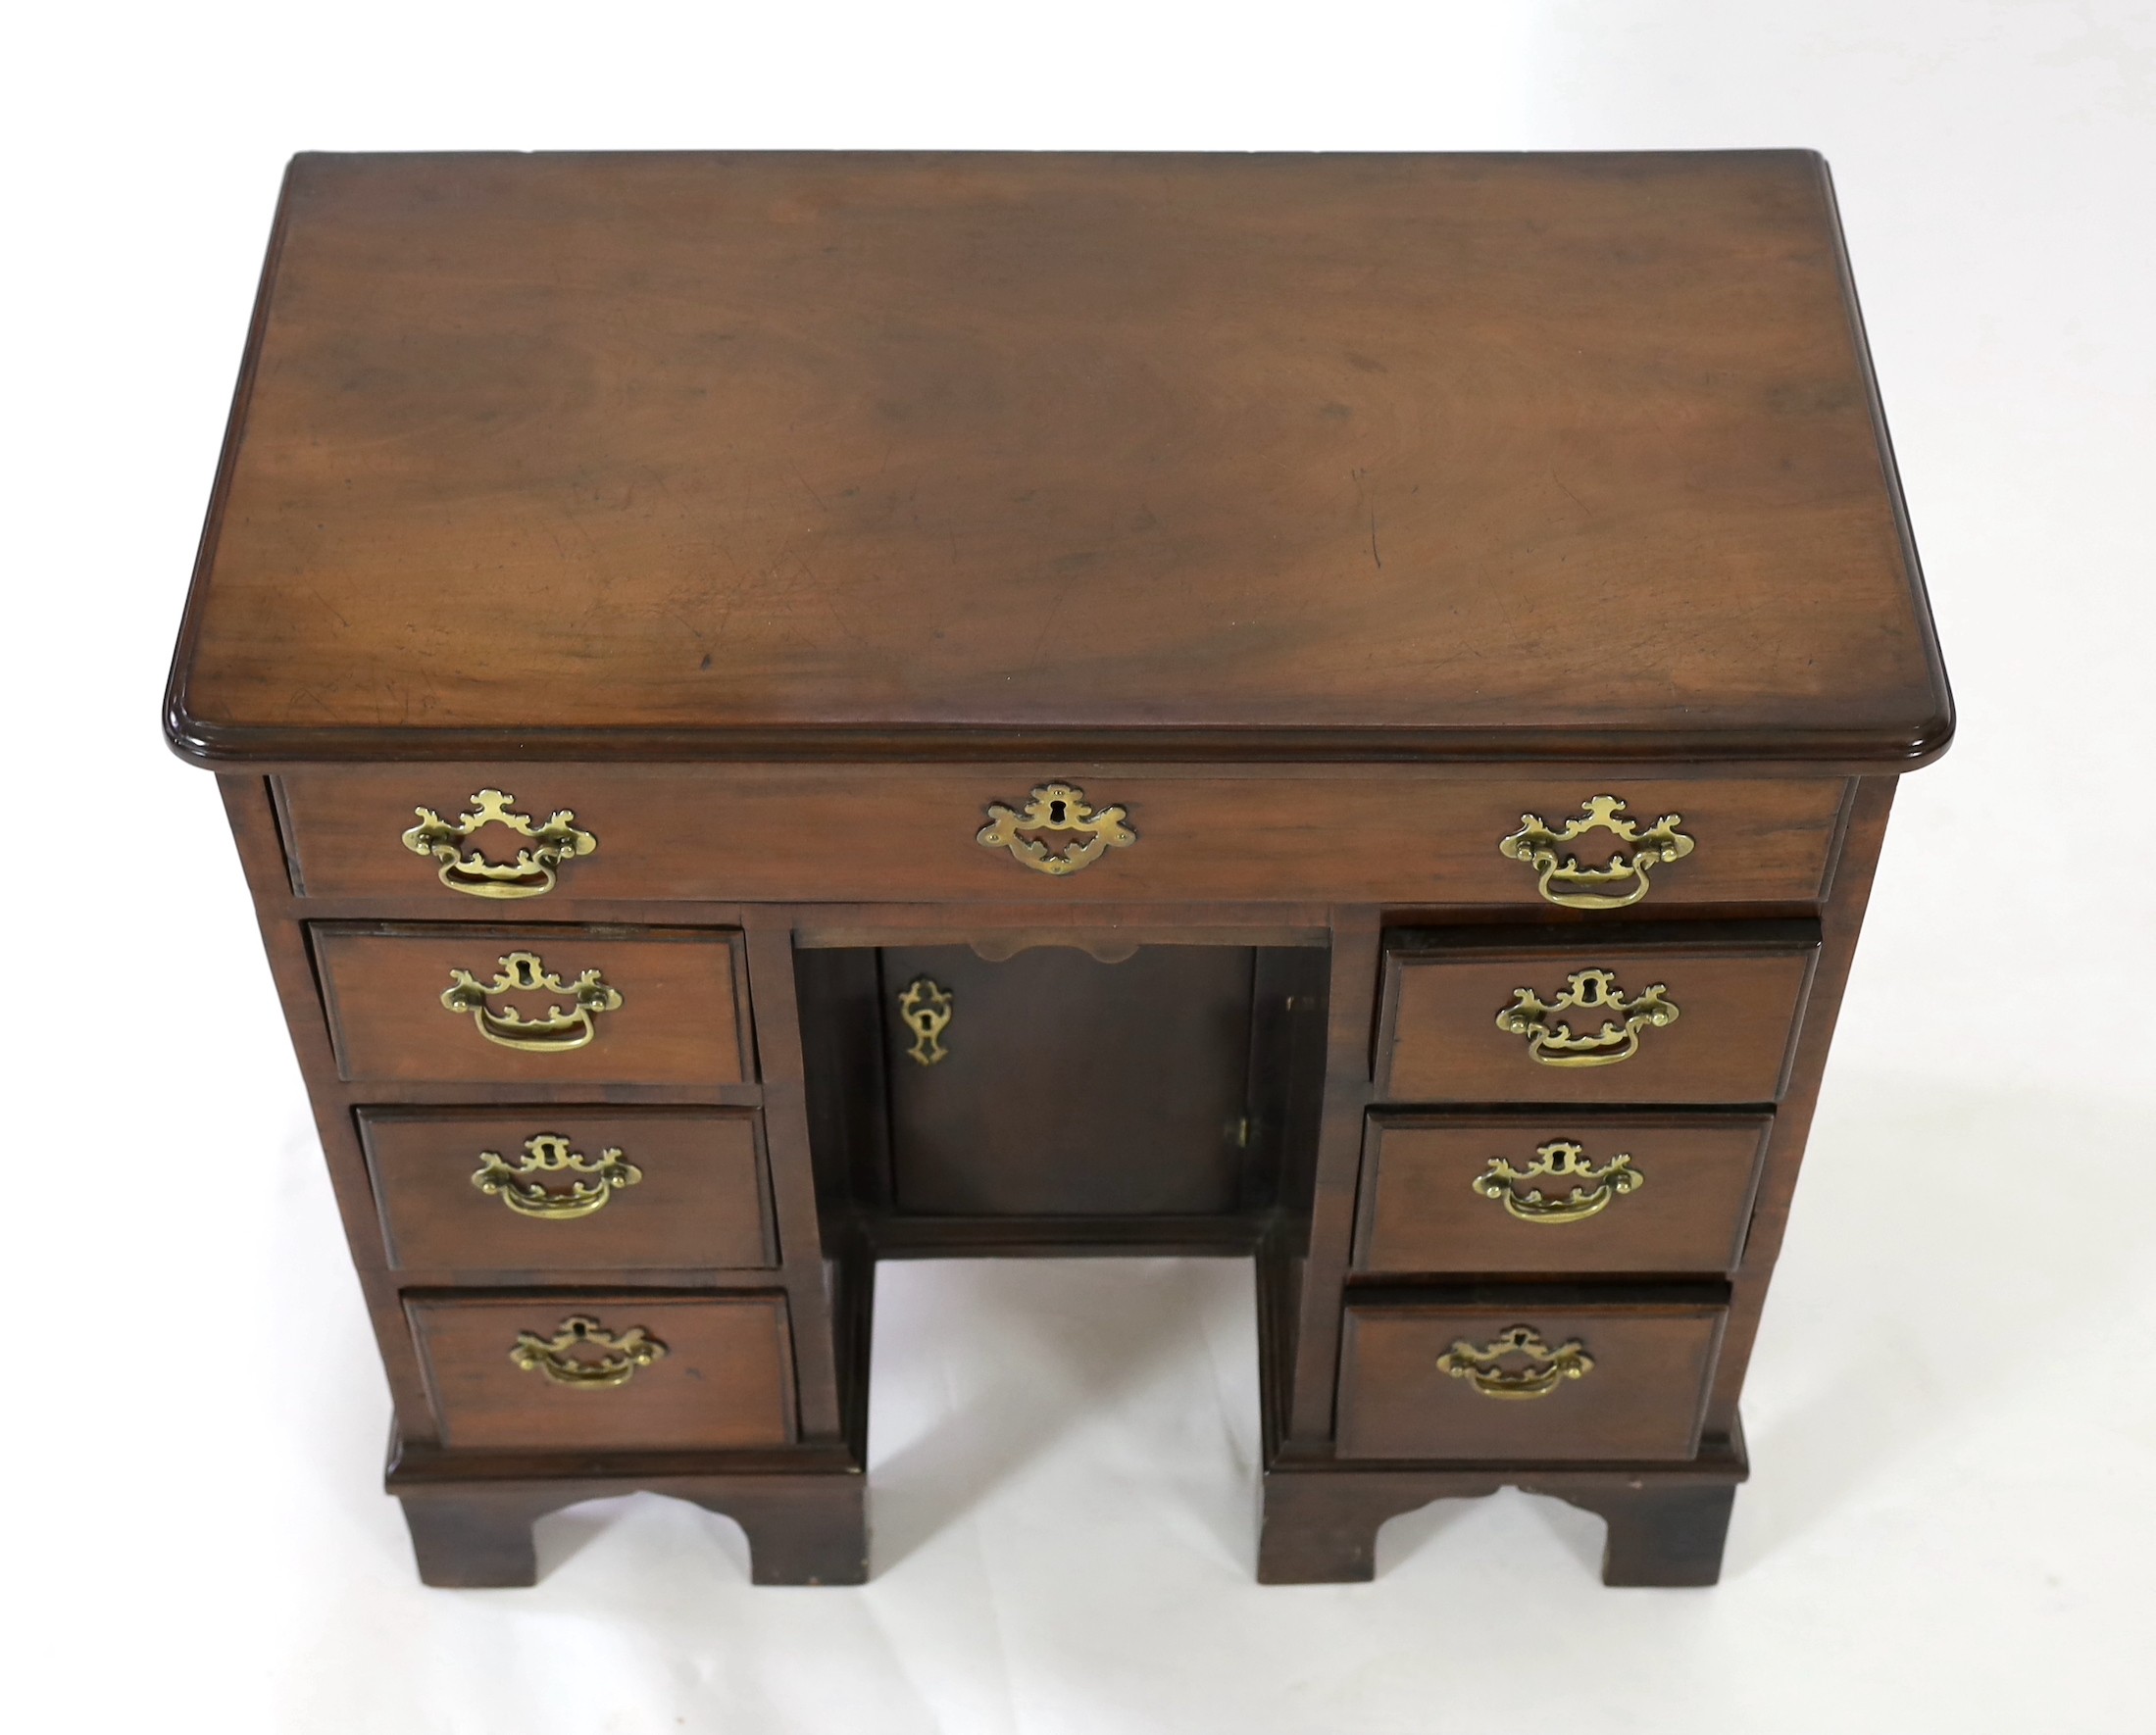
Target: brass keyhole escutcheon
[(1593, 1185), (584, 1355), (1055, 806), (1517, 1364), (926, 1008)]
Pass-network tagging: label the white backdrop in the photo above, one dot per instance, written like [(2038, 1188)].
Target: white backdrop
[(1950, 1526)]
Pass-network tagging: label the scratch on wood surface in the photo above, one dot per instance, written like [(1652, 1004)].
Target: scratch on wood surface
[(1363, 493), (1049, 622)]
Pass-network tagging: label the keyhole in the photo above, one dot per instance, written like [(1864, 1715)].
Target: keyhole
[(1055, 812)]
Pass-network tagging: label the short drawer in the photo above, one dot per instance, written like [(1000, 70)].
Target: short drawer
[(533, 1006), (1605, 1192), (795, 833), (623, 1371), (505, 1195), (1533, 1380), (1571, 1019)]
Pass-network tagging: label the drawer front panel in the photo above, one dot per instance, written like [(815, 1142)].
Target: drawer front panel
[(509, 1194), (1729, 1040), (1637, 1392), (1607, 1193), (701, 1371), (876, 833), (596, 1005)]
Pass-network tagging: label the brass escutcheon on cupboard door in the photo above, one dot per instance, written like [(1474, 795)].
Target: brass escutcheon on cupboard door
[(925, 1007)]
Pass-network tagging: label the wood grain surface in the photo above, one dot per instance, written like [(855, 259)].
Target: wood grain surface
[(678, 453)]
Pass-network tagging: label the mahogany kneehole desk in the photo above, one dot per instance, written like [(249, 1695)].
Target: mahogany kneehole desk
[(788, 711)]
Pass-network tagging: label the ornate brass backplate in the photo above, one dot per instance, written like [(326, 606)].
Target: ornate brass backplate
[(567, 1360), (1586, 990), (925, 1006), (532, 873), (525, 972), (521, 1186), (1517, 1364), (1559, 1161), (1562, 880), (1056, 807)]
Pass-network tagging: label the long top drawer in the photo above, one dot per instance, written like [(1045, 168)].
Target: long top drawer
[(468, 836)]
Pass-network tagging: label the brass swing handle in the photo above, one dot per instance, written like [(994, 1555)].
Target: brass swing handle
[(584, 1355), (1517, 1364), (1623, 880), (1593, 1187), (521, 1186), (525, 972), (531, 874), (1551, 1041)]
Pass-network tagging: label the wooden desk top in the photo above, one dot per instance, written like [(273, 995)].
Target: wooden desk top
[(707, 456)]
